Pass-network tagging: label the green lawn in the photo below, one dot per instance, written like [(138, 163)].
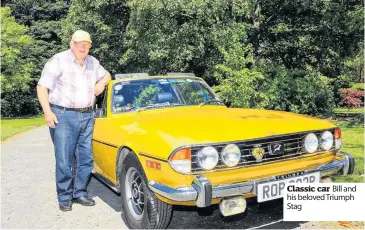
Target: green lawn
[(358, 86), (348, 111), (10, 127), (353, 143)]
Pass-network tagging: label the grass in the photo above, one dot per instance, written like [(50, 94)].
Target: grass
[(348, 111), (358, 86), (353, 143), (10, 127)]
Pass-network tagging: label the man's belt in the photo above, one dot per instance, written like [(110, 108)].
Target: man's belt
[(82, 110)]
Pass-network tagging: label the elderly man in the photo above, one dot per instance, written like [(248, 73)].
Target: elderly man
[(66, 90)]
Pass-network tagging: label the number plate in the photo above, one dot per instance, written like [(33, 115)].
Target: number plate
[(274, 190)]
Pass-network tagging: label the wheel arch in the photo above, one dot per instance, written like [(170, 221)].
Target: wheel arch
[(123, 152)]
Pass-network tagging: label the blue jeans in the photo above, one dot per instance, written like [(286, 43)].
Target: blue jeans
[(72, 144)]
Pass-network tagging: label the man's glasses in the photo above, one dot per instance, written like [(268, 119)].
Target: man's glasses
[(82, 45)]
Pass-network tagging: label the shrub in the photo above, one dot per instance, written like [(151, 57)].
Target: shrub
[(351, 98), (299, 91), (20, 103)]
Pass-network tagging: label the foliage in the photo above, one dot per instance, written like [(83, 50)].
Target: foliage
[(352, 98), (238, 85), (319, 34), (289, 55), (148, 96), (106, 21), (43, 21), (181, 36), (354, 66), (300, 91), (358, 86), (190, 95), (43, 18), (16, 68)]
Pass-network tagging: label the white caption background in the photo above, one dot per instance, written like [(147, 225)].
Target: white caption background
[(325, 210)]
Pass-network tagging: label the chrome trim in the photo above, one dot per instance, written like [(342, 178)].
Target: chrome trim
[(253, 139), (350, 167), (202, 192), (180, 194), (319, 131), (233, 190), (222, 169)]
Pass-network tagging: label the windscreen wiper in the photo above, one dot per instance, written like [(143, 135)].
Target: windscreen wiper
[(209, 101), (157, 106)]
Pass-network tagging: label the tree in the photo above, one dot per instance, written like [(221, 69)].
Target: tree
[(44, 20), (16, 67), (238, 85), (298, 34), (181, 36), (106, 21)]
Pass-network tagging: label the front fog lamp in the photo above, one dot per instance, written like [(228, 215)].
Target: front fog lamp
[(326, 140), (311, 143), (208, 158), (231, 155)]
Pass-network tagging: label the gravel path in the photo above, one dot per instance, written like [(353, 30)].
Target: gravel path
[(28, 189), (29, 200)]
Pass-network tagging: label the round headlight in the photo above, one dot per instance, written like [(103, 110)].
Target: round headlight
[(231, 155), (311, 143), (208, 158), (326, 140)]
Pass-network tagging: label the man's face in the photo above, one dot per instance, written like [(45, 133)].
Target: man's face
[(80, 49)]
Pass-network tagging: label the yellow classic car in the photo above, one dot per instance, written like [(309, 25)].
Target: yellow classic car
[(168, 140)]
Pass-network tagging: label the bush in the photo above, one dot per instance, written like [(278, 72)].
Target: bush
[(239, 86), (351, 98), (20, 103), (299, 91)]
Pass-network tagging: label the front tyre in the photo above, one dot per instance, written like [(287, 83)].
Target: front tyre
[(140, 207)]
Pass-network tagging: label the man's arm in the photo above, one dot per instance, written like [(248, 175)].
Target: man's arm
[(100, 86), (49, 116)]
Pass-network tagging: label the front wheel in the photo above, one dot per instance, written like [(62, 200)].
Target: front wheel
[(140, 207)]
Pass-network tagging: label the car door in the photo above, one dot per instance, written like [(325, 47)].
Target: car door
[(99, 133)]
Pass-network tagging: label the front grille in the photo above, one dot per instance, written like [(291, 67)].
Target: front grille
[(293, 147)]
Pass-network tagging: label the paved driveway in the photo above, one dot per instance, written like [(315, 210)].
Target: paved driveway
[(28, 197)]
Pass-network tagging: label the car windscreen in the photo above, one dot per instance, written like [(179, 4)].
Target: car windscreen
[(156, 93)]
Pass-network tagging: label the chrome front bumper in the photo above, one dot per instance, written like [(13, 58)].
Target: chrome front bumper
[(202, 192)]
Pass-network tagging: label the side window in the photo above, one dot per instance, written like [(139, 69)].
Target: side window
[(100, 105)]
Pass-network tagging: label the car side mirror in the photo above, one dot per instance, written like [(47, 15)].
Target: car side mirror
[(99, 112)]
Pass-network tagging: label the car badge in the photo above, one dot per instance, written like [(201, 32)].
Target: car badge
[(276, 148), (258, 153)]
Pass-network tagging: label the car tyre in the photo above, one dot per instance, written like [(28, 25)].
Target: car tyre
[(141, 208)]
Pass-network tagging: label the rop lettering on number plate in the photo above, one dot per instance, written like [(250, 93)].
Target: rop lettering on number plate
[(275, 190)]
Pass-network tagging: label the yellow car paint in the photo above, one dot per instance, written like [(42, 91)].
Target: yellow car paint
[(155, 134)]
